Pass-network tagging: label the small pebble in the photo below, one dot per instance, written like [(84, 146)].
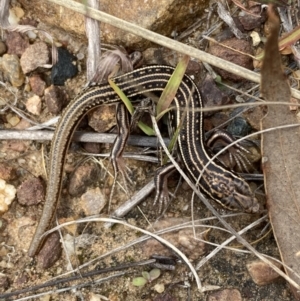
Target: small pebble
[(7, 172), (37, 85), (92, 147), (255, 38), (238, 58), (183, 239), (31, 35), (16, 44), (239, 127), (261, 273), (55, 98), (250, 21), (10, 65), (82, 177), (50, 252), (7, 195), (15, 14), (102, 119), (93, 201), (13, 120), (159, 287), (80, 56), (212, 95), (34, 105), (36, 55), (31, 192)]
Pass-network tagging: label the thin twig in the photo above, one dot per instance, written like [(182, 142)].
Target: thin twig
[(94, 47), (142, 141)]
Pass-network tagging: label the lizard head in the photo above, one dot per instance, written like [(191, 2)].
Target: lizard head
[(233, 193)]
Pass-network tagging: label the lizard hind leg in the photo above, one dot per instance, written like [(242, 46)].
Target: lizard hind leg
[(119, 166), (161, 184)]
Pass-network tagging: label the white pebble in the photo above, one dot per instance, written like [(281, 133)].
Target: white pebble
[(7, 195)]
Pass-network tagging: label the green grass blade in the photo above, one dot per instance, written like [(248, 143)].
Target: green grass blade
[(172, 86), (145, 128)]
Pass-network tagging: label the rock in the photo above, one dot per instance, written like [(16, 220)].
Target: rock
[(12, 119), (225, 295), (37, 85), (65, 67), (212, 96), (7, 195), (261, 273), (7, 172), (31, 192), (254, 20), (15, 14), (55, 98), (184, 240), (10, 65), (256, 39), (93, 201), (16, 44), (158, 17), (239, 127), (92, 147), (233, 56), (103, 118), (34, 105), (35, 55), (50, 252), (82, 177)]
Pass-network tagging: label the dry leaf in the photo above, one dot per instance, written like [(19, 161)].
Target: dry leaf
[(281, 157)]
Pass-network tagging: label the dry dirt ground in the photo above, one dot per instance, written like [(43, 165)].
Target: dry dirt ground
[(227, 269)]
